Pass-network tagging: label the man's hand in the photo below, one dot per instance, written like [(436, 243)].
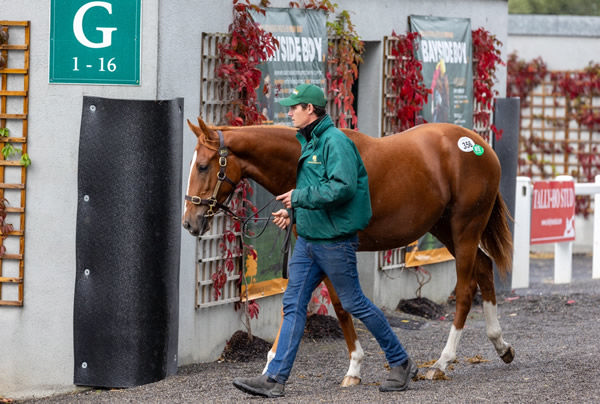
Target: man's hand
[(286, 199), (281, 218)]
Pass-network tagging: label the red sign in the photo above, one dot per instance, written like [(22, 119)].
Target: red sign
[(553, 212)]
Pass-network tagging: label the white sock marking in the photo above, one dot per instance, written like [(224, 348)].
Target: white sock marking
[(492, 327), (356, 358), (270, 356), (449, 352)]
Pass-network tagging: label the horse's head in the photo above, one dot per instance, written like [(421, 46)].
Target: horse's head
[(214, 173)]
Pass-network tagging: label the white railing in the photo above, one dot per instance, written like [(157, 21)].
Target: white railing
[(563, 252)]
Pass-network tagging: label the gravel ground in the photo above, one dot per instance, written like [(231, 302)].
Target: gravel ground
[(553, 328)]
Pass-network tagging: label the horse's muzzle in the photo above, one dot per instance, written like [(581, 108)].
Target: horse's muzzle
[(197, 224)]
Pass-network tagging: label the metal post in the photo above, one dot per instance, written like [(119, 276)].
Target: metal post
[(522, 232)]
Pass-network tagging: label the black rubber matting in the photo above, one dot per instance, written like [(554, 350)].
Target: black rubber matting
[(127, 242)]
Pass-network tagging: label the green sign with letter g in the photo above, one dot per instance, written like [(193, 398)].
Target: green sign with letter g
[(95, 42)]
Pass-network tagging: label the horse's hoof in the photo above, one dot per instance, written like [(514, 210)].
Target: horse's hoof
[(509, 355), (350, 381), (435, 374)]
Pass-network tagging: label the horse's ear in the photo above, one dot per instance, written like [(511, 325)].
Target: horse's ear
[(197, 131), (203, 126), (208, 133)]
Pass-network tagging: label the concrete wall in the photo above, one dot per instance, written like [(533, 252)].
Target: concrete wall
[(565, 42), (36, 340)]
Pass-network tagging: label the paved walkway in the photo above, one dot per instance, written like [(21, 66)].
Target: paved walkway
[(553, 328)]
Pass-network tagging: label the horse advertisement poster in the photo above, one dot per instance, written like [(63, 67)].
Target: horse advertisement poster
[(300, 58), (445, 51)]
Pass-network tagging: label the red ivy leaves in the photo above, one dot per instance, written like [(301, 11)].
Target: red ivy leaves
[(219, 278), (406, 81), (580, 87), (239, 59), (253, 309), (523, 77), (344, 55), (486, 55)]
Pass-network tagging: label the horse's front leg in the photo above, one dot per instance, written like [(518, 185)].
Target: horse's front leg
[(271, 353), (355, 351)]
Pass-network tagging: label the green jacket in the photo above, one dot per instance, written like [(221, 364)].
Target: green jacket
[(331, 200)]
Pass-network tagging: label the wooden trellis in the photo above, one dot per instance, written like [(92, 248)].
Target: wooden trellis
[(14, 76), (552, 142), (215, 95)]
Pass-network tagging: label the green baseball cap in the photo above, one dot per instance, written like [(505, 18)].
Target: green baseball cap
[(305, 94)]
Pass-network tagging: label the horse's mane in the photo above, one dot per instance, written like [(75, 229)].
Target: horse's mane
[(213, 144), (229, 127)]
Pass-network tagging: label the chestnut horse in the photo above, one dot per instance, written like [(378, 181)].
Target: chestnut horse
[(438, 178)]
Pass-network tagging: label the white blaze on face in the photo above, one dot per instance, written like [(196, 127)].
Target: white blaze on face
[(191, 171)]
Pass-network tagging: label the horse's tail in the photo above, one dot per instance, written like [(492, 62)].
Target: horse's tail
[(497, 238)]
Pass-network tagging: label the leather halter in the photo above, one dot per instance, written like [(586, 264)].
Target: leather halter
[(212, 202)]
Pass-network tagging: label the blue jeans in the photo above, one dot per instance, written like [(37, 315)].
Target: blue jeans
[(310, 261)]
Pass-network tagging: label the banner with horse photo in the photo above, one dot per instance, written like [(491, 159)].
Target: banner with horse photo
[(300, 58), (445, 51)]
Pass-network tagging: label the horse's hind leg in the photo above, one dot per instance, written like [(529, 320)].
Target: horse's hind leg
[(355, 351), (466, 286), (485, 279)]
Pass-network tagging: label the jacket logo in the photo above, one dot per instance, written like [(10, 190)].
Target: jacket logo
[(314, 160)]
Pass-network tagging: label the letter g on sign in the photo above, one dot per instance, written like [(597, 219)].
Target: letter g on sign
[(78, 26)]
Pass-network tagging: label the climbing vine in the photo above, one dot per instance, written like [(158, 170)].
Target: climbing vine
[(248, 47), (9, 151), (344, 56), (580, 90), (486, 58), (406, 81), (239, 58), (580, 87), (523, 77)]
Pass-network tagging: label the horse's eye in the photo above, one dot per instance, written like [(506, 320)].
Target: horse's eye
[(202, 168)]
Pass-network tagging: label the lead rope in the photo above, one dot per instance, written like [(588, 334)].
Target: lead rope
[(285, 248)]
